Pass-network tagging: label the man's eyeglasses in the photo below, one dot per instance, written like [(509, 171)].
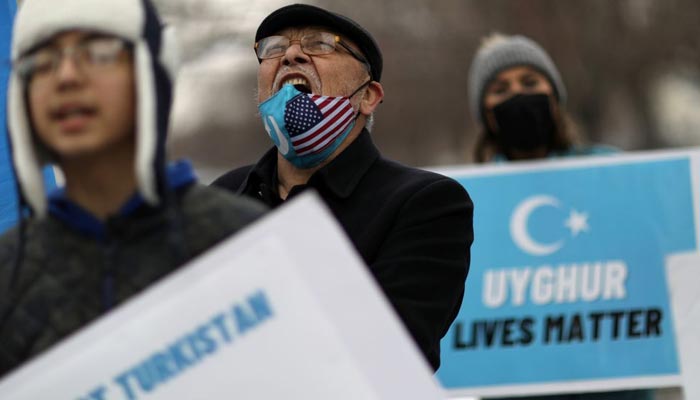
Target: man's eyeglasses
[(314, 44), (90, 55)]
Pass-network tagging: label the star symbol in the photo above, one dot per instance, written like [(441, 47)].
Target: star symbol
[(577, 222)]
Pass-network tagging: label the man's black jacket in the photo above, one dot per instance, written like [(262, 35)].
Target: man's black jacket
[(413, 228)]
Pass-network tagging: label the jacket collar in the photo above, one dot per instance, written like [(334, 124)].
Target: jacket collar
[(340, 176), (179, 175)]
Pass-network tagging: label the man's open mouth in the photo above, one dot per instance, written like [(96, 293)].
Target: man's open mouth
[(300, 84)]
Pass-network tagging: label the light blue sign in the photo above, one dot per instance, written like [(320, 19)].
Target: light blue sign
[(8, 192), (8, 196), (567, 276)]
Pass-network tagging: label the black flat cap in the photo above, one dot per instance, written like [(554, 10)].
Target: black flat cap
[(297, 15)]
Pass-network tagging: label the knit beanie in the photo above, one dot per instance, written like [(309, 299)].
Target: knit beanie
[(154, 58), (505, 52)]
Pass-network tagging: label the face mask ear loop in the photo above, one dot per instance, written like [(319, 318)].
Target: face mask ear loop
[(357, 113), (360, 88)]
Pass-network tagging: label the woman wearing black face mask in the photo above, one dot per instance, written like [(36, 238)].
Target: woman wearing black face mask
[(517, 96)]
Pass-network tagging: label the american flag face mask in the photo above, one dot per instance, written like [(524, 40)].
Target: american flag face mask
[(307, 128)]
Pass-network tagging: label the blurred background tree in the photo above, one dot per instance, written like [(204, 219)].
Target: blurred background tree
[(631, 67)]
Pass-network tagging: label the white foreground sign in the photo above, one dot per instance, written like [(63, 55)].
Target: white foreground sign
[(284, 310), (683, 271)]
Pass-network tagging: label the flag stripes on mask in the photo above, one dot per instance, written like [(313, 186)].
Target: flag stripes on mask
[(315, 121)]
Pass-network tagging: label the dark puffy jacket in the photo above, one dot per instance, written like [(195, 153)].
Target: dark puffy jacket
[(68, 278)]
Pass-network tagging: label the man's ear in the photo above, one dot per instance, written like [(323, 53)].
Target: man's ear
[(372, 97)]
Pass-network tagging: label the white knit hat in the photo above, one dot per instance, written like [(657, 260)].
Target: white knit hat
[(155, 59)]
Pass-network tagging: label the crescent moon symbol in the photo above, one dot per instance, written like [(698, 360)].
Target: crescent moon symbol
[(518, 226)]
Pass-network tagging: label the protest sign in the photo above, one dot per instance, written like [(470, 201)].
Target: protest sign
[(567, 289), (683, 271), (8, 196), (284, 310), (8, 189)]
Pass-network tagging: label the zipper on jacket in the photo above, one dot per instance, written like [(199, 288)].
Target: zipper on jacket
[(108, 281)]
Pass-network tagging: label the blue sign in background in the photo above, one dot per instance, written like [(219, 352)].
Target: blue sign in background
[(8, 192), (634, 213), (8, 197)]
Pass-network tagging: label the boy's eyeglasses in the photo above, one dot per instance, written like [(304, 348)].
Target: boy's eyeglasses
[(90, 54), (314, 44)]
